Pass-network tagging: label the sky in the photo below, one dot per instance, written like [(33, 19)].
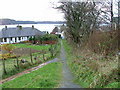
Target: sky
[(31, 10)]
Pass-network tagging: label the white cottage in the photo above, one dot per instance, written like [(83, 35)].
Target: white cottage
[(18, 34)]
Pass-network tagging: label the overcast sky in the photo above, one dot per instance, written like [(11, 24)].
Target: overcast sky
[(35, 10), (32, 10)]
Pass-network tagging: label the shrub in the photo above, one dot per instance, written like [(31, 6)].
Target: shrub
[(6, 56), (8, 47), (45, 39), (103, 42)]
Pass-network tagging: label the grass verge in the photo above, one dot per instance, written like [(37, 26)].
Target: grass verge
[(92, 73), (45, 77)]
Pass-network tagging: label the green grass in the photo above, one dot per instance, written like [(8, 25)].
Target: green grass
[(9, 63), (113, 85), (45, 77), (86, 75), (36, 47), (11, 70)]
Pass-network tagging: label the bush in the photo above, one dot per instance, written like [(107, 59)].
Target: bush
[(103, 42), (45, 39), (9, 48), (6, 56)]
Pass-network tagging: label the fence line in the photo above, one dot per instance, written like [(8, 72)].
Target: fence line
[(33, 58)]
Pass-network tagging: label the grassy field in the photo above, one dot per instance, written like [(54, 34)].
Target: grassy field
[(92, 73), (36, 47), (9, 63), (11, 70), (45, 77)]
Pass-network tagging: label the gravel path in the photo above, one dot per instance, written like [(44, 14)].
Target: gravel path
[(67, 80)]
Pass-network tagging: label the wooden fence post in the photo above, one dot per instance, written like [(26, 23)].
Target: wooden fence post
[(17, 63), (51, 50), (31, 56), (55, 48), (43, 55), (4, 69)]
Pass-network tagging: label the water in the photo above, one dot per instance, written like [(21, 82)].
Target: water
[(41, 27)]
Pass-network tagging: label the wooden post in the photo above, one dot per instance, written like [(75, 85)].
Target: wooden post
[(17, 63), (43, 55), (51, 50), (31, 56), (55, 48), (4, 69)]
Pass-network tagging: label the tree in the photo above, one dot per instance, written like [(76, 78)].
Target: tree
[(80, 19), (84, 17)]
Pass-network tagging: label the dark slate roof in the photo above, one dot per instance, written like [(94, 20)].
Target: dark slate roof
[(55, 29), (16, 32)]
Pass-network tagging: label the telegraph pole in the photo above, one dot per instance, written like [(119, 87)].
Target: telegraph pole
[(119, 26), (111, 14), (118, 15)]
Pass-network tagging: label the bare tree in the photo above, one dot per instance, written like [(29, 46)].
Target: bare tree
[(81, 18), (84, 17)]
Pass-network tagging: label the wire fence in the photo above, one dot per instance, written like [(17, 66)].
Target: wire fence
[(19, 63)]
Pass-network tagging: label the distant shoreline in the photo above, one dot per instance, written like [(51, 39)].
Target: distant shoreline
[(13, 22), (32, 23)]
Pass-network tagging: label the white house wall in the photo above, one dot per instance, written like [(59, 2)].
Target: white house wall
[(13, 40)]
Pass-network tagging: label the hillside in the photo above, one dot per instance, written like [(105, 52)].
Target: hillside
[(11, 21)]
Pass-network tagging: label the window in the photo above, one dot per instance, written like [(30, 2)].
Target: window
[(27, 37), (5, 39), (19, 38), (11, 38)]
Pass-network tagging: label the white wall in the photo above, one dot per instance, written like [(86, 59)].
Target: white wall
[(13, 40)]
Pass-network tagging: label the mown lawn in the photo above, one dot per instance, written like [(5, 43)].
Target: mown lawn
[(36, 47), (45, 77)]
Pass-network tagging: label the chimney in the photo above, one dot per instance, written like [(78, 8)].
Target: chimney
[(5, 27), (32, 26), (19, 27)]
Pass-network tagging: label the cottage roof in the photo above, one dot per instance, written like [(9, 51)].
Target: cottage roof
[(18, 32), (55, 29)]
